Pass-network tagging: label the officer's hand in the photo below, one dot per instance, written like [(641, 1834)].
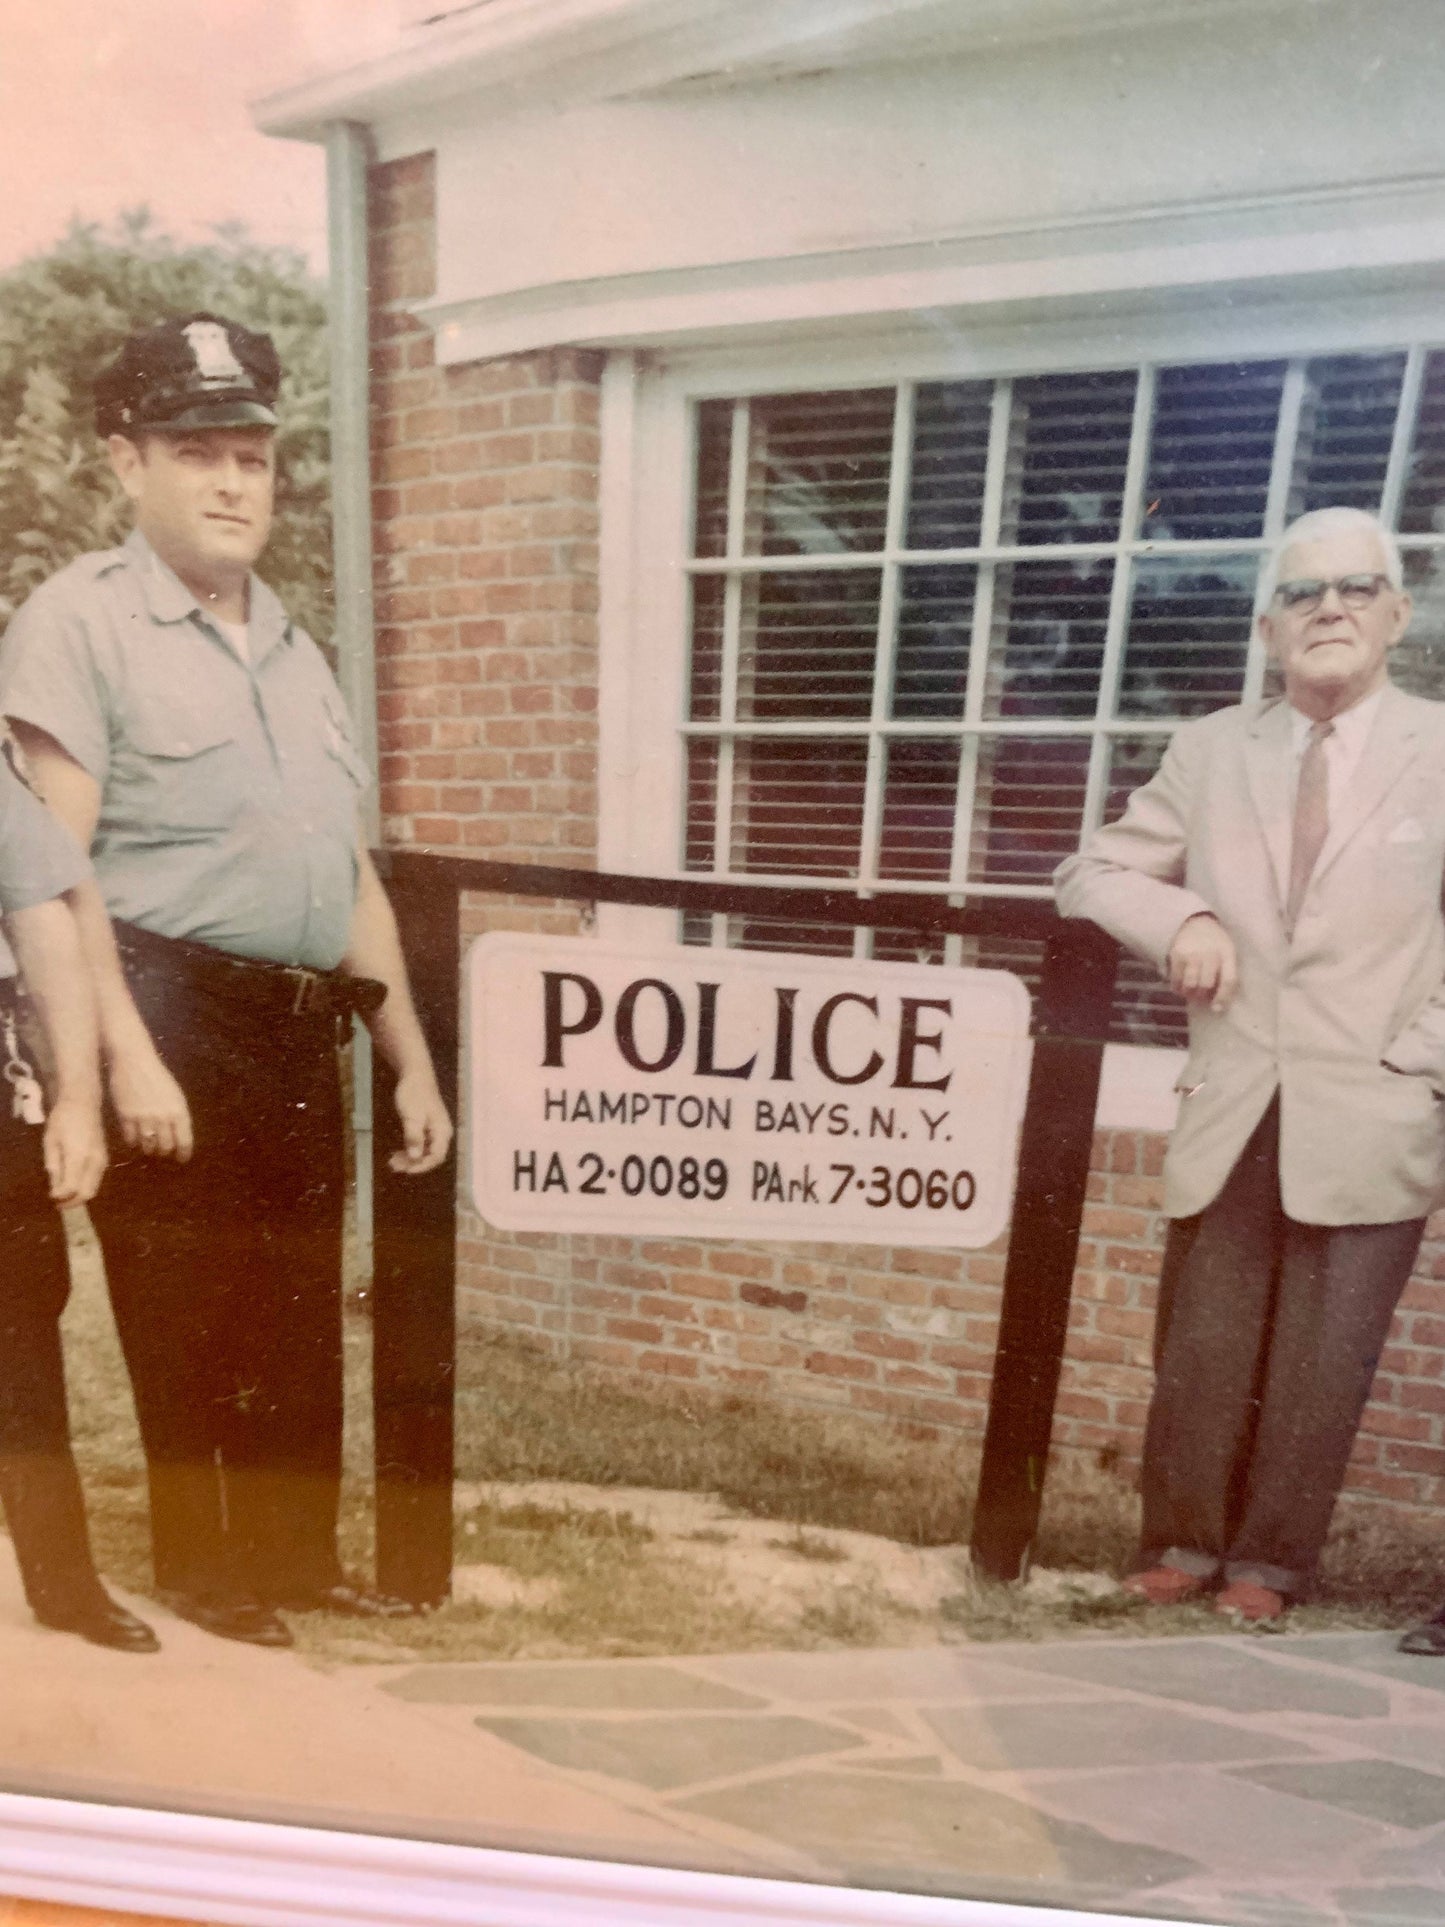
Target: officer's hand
[(74, 1146), (150, 1105), (425, 1127), (1203, 966)]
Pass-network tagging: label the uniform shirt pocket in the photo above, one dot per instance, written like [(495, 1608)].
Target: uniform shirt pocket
[(179, 774)]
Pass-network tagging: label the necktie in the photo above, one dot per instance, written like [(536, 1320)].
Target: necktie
[(1311, 818)]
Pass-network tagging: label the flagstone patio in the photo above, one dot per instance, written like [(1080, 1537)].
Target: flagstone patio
[(1282, 1781)]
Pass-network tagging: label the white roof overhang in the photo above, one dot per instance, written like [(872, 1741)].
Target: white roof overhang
[(660, 172), (506, 53)]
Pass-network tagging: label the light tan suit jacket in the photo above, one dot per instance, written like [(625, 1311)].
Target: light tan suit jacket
[(1318, 1016)]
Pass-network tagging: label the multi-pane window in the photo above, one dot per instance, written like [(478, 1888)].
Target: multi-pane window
[(941, 629)]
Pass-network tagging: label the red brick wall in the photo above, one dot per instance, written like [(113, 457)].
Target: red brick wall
[(487, 522), (486, 529)]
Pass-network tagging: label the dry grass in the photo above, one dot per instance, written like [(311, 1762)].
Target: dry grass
[(608, 1596), (523, 1417), (803, 1544)]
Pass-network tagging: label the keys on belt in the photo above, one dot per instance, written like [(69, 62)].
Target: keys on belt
[(27, 1099)]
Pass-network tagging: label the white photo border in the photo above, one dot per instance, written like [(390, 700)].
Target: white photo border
[(256, 1874)]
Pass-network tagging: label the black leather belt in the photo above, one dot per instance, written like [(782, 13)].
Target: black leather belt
[(277, 990)]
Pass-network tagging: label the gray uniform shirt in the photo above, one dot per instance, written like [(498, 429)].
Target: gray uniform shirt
[(229, 789)]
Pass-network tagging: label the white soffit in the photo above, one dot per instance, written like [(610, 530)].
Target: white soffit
[(1389, 237), (508, 54)]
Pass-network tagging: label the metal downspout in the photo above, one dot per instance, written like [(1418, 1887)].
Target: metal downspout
[(347, 155)]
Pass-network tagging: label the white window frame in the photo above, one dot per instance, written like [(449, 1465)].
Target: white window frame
[(648, 470)]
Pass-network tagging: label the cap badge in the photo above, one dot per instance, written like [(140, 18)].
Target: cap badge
[(211, 346)]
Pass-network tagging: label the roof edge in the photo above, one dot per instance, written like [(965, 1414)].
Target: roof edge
[(501, 47), (508, 50)]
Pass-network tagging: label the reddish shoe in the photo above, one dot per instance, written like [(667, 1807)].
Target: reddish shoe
[(1165, 1585), (1252, 1604)]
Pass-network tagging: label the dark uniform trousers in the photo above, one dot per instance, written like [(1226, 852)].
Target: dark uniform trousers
[(1266, 1342), (39, 1487), (225, 1278)]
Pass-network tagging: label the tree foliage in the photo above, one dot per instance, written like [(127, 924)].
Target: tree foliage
[(63, 314)]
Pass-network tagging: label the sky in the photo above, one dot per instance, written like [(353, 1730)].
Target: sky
[(106, 104)]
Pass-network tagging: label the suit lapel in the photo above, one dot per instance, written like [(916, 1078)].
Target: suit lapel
[(1389, 750), (1267, 765)]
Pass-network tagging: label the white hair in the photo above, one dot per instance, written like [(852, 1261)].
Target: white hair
[(1324, 522)]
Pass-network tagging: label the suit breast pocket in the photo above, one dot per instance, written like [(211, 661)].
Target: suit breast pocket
[(1406, 852)]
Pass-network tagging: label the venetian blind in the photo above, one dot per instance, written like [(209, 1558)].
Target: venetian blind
[(940, 630)]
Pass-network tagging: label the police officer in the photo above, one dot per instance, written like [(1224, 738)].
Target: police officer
[(193, 738), (41, 872)]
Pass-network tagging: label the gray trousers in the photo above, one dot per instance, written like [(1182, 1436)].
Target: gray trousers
[(1266, 1341)]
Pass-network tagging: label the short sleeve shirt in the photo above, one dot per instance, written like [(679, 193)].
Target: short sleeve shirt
[(39, 858), (229, 788)]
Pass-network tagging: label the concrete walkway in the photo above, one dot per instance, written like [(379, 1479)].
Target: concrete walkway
[(1288, 1780)]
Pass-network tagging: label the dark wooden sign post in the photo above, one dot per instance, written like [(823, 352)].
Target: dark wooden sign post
[(414, 1293)]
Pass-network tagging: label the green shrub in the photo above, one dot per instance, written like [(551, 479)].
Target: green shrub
[(64, 313)]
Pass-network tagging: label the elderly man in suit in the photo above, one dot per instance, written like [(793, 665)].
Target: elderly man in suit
[(1283, 869)]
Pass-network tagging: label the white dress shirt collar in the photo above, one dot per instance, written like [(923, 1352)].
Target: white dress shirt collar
[(1346, 743)]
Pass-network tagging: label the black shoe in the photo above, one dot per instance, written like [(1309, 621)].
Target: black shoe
[(103, 1624), (243, 1619), (1427, 1639), (356, 1602)]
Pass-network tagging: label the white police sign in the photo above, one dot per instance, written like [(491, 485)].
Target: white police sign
[(741, 1094)]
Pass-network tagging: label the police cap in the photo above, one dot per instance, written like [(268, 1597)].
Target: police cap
[(193, 371)]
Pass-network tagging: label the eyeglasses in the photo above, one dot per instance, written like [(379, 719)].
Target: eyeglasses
[(1305, 593)]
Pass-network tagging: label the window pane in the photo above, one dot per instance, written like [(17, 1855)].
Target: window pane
[(1210, 451), (935, 625), (708, 592), (919, 806), (1189, 623), (1146, 1010), (1418, 663), (710, 515), (1423, 510), (1028, 808), (700, 835), (950, 454), (1024, 956), (907, 946), (1068, 449), (770, 933), (808, 644), (798, 807), (1347, 421), (1132, 761), (1047, 646), (818, 472), (782, 933)]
